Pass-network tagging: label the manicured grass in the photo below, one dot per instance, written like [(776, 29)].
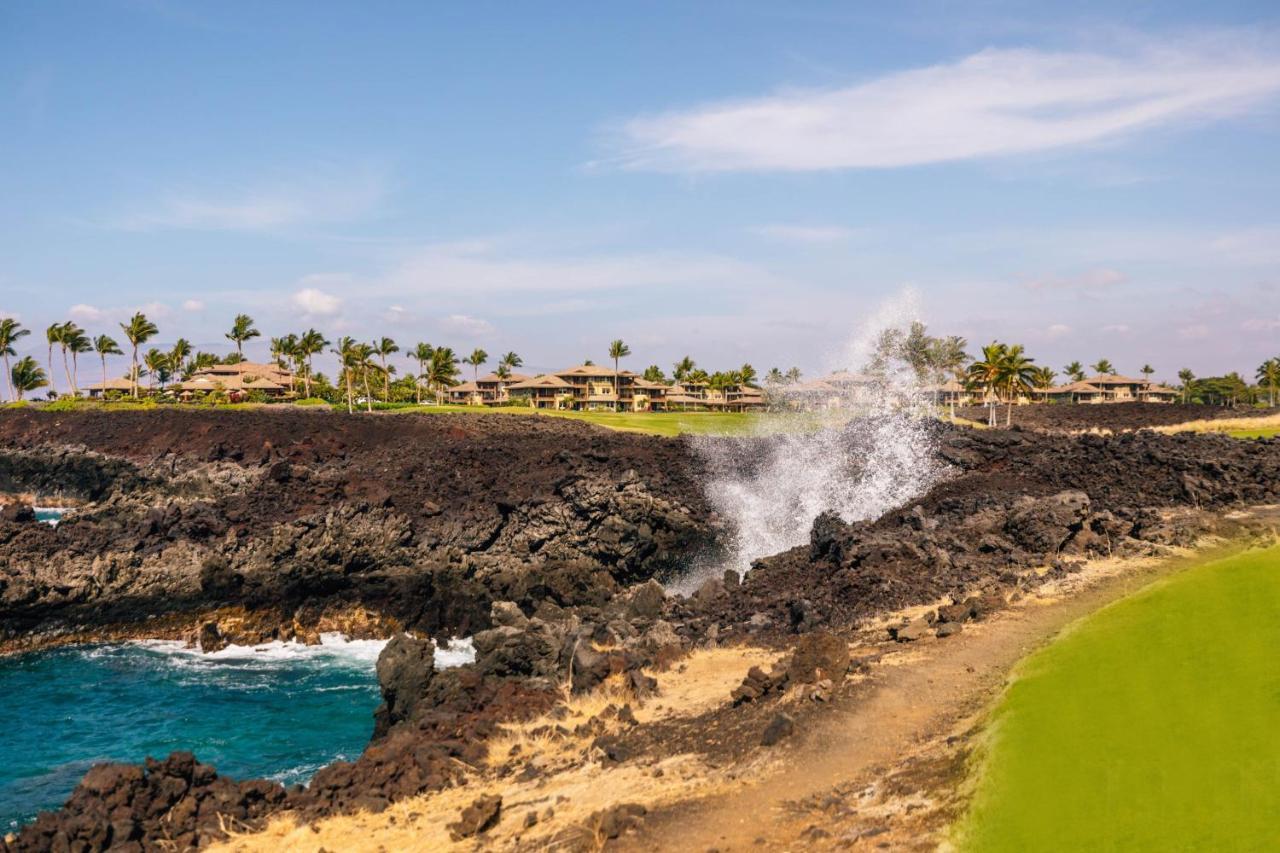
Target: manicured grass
[(1152, 725), (1270, 432), (654, 423)]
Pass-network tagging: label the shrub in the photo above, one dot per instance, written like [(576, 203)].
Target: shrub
[(311, 401)]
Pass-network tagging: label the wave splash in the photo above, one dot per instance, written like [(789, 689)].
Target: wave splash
[(859, 447)]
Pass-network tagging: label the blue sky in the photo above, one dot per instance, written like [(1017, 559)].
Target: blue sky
[(739, 181)]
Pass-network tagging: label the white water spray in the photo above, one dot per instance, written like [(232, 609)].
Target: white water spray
[(858, 446)]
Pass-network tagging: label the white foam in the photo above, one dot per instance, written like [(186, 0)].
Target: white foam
[(334, 646), (871, 453)]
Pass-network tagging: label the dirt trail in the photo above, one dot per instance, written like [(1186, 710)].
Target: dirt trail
[(881, 771)]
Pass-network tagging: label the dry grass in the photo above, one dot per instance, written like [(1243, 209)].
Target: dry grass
[(571, 782), (1250, 425)]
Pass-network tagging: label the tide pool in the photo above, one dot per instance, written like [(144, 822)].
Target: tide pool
[(279, 711)]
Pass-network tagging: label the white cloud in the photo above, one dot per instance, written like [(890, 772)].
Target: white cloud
[(994, 103), (314, 302), (1098, 279), (333, 197), (1194, 332), (86, 313), (468, 327), (805, 234), (193, 305), (1057, 330), (1116, 329)]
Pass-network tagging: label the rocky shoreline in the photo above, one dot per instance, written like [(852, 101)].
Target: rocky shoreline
[(542, 539)]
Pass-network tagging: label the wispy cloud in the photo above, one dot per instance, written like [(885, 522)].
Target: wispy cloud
[(483, 267), (805, 234), (995, 103), (1092, 280), (332, 197), (467, 326)]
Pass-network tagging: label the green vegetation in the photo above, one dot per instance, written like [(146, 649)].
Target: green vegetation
[(1150, 725)]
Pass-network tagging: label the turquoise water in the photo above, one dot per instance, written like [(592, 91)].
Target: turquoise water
[(280, 711), (49, 514)]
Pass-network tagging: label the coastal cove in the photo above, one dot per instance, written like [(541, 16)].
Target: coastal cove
[(278, 711)]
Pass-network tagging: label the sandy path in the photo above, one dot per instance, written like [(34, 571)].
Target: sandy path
[(915, 700)]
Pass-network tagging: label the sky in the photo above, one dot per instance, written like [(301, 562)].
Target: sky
[(737, 181)]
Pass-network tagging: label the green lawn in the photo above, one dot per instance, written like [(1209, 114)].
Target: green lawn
[(1152, 725), (654, 423), (1270, 432)]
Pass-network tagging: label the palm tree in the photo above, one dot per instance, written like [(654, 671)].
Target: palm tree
[(242, 330), (1043, 377), (421, 354), (1103, 367), (774, 377), (10, 331), (363, 354), (26, 376), (1075, 370), (104, 346), (1188, 383), (985, 375), (793, 375), (383, 348), (747, 376), (617, 350), (1269, 374), (653, 373), (1017, 372), (52, 336), (79, 344), (179, 354), (1146, 370), (69, 335), (511, 361), (138, 330), (443, 370), (157, 364), (311, 343), (681, 369), (477, 358), (347, 361)]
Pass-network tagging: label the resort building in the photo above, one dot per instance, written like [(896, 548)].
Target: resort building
[(588, 387), (488, 390), (1108, 388), (122, 385), (238, 380), (949, 393)]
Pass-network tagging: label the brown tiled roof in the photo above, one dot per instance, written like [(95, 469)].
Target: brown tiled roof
[(121, 384), (547, 380), (1114, 379), (588, 370)]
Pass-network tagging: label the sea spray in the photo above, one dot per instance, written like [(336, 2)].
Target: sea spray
[(858, 446)]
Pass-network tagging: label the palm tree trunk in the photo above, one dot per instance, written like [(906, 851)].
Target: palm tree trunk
[(104, 376), (66, 368), (133, 373), (368, 395), (52, 386), (8, 378), (351, 405), (417, 382)]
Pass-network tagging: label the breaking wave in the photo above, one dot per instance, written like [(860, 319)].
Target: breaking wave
[(858, 445)]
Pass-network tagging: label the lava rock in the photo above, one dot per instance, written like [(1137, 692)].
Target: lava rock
[(780, 727)]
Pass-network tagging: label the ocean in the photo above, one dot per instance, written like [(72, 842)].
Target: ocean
[(278, 711)]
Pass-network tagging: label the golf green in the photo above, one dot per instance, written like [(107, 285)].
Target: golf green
[(1153, 724)]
